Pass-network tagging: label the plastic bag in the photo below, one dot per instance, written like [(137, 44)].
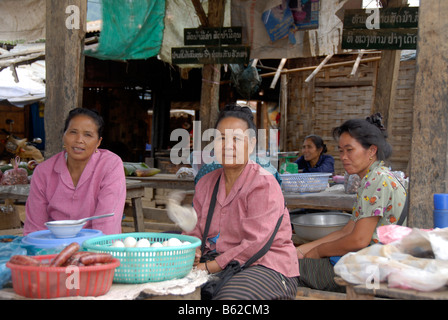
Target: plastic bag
[(16, 175), (7, 250), (185, 173), (417, 261), (351, 183)]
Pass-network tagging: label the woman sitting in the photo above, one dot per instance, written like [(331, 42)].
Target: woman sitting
[(79, 182), (249, 203), (380, 201), (314, 158)]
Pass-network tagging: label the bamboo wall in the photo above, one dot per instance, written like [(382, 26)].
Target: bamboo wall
[(333, 97)]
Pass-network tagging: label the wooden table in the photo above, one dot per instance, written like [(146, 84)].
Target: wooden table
[(361, 292), (135, 190), (165, 181), (325, 200)]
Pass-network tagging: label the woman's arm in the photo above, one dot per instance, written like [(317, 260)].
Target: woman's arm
[(36, 204), (357, 239), (111, 197)]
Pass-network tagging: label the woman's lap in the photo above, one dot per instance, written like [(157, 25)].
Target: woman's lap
[(258, 283)]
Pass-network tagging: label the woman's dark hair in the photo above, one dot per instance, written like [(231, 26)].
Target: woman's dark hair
[(367, 132), (318, 142), (87, 112), (237, 111)]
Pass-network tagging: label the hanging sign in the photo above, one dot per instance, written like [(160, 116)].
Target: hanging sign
[(213, 36), (214, 46), (211, 55), (390, 28)]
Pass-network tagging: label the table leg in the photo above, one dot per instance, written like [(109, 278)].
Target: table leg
[(139, 222)]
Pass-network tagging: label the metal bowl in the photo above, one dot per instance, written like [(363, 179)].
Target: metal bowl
[(313, 226), (64, 230)]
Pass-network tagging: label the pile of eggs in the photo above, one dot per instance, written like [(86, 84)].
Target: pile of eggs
[(131, 242)]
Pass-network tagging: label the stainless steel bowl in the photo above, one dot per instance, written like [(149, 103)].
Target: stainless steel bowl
[(313, 226)]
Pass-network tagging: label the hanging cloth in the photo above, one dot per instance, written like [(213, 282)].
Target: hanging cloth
[(132, 29)]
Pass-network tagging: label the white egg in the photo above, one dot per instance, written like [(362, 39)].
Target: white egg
[(174, 242), (157, 245), (186, 243), (143, 243), (165, 243), (130, 242), (118, 244)]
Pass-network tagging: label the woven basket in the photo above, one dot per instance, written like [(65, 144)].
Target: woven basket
[(141, 265)]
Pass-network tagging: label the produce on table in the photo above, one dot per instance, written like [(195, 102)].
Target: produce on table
[(139, 169), (16, 175)]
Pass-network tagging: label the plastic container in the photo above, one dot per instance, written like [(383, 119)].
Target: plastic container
[(153, 264), (440, 201), (440, 213), (56, 282), (44, 239), (305, 182)]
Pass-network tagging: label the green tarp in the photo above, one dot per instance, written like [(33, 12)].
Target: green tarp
[(132, 29)]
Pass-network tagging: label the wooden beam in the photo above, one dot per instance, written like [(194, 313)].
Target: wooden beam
[(429, 146), (64, 46), (211, 73), (387, 76), (200, 12)]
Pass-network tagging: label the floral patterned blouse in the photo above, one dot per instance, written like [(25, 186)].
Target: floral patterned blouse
[(379, 194)]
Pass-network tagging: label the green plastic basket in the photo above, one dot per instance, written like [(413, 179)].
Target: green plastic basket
[(141, 265)]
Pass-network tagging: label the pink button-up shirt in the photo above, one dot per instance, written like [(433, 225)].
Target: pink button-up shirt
[(246, 218), (101, 189)]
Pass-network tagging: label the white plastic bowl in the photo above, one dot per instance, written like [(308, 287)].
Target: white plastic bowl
[(64, 230)]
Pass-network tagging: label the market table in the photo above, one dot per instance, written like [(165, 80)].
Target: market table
[(165, 181), (330, 199), (362, 292), (187, 288)]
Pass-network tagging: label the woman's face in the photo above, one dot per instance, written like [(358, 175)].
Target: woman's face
[(81, 138), (233, 144), (354, 157), (310, 152)]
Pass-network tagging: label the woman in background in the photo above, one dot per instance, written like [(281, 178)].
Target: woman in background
[(314, 158)]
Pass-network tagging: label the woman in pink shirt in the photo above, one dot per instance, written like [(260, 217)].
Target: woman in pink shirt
[(81, 181), (249, 203)]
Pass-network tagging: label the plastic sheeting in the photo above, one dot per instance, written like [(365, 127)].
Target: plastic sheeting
[(130, 30), (181, 14), (24, 21)]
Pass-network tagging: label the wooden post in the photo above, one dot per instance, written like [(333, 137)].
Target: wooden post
[(211, 73), (64, 60), (429, 148), (387, 77)]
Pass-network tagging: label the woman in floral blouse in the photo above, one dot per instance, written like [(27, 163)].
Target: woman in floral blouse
[(380, 201)]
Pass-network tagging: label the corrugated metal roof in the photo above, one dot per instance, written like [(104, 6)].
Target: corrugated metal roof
[(94, 26)]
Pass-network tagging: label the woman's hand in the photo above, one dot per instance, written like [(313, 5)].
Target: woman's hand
[(210, 266), (197, 257), (300, 252), (313, 253)]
